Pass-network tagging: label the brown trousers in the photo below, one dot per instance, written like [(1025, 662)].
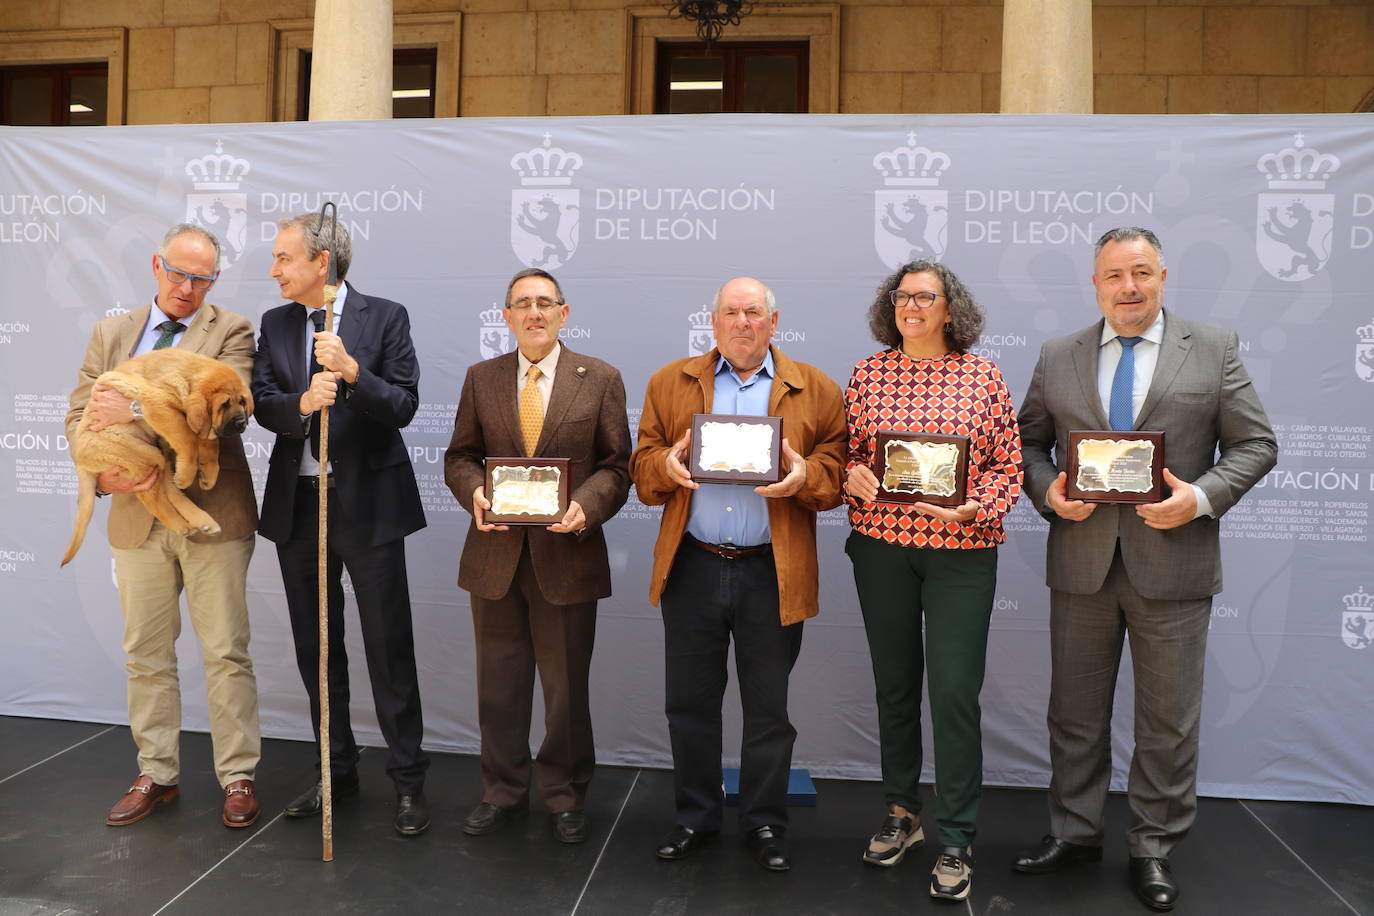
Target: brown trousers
[(517, 634)]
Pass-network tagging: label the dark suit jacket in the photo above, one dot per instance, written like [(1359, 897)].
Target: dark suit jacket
[(377, 496), (1204, 401), (585, 421), (215, 332)]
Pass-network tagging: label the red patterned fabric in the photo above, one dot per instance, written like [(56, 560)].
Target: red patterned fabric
[(957, 394)]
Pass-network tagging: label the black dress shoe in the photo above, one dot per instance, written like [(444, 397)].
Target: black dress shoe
[(412, 814), (571, 826), (682, 841), (770, 849), (1053, 855), (488, 818), (308, 803), (1152, 882)]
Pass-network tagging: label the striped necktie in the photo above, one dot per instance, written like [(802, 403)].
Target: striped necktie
[(1121, 409), (169, 329), (531, 411)]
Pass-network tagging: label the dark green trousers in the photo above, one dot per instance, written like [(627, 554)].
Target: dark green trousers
[(953, 590)]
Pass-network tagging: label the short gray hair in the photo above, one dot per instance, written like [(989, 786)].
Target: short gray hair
[(317, 239), (768, 298), (181, 229), (1129, 234)]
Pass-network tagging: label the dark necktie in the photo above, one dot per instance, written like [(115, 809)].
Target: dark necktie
[(1121, 409), (169, 329), (315, 318)]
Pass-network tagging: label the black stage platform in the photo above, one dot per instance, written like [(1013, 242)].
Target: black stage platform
[(57, 779)]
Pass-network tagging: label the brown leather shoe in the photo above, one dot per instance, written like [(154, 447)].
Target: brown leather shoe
[(143, 796), (241, 808)]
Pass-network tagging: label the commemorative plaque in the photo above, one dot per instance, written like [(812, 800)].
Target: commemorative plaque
[(727, 448), (921, 467), (527, 491), (1115, 466)]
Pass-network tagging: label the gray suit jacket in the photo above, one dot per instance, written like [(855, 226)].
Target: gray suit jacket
[(1204, 401), (585, 421)]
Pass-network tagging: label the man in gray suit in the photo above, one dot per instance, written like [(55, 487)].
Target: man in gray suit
[(534, 589), (1150, 570)]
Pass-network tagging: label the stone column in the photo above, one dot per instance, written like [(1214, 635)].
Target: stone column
[(350, 75), (1047, 57)]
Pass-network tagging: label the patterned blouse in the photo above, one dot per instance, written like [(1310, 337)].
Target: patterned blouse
[(957, 394)]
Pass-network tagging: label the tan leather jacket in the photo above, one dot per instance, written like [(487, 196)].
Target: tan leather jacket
[(812, 414)]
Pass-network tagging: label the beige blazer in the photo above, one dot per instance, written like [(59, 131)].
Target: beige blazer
[(214, 332)]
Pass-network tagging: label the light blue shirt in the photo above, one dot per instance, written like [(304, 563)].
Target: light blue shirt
[(729, 513), (151, 334), (1146, 357), (310, 466)]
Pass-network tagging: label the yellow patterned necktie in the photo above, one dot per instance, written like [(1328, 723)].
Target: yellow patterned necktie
[(531, 412)]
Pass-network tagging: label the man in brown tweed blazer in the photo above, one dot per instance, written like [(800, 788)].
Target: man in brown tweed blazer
[(153, 565), (534, 590)]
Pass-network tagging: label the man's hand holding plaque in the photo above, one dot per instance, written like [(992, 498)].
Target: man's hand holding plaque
[(527, 491), (726, 448), (1115, 466)]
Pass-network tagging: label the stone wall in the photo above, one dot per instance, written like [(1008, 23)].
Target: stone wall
[(214, 60)]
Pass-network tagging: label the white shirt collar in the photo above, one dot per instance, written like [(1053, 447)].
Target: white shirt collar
[(1154, 333), (547, 366)]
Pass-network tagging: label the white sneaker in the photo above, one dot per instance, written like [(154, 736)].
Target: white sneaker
[(952, 877)]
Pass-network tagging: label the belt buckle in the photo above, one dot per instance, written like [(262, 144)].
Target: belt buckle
[(729, 551)]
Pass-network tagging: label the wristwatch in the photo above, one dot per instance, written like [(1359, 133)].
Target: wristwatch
[(136, 409)]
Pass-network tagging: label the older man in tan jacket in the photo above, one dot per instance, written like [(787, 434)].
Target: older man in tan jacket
[(153, 565), (735, 561)]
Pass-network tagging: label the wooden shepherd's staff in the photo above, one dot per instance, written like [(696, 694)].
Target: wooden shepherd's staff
[(331, 290)]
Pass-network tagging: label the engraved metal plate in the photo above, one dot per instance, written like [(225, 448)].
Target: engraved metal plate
[(727, 448), (921, 467), (527, 491), (1115, 466)]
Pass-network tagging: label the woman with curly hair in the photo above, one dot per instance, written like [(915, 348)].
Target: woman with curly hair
[(918, 562)]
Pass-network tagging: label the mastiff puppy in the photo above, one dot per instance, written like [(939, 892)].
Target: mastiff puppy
[(188, 402)]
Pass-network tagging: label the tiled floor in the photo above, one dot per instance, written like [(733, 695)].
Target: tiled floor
[(57, 779)]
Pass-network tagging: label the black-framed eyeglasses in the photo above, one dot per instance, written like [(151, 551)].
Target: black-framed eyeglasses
[(922, 300), (543, 303), (179, 277)]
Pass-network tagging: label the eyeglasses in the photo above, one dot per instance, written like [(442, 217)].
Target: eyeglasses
[(922, 300), (179, 277), (543, 303)]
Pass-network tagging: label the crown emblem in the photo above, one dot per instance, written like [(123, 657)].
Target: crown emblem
[(701, 321), (1297, 167), (911, 166), (491, 316), (546, 166), (1359, 601), (117, 310), (217, 171), (1366, 332)]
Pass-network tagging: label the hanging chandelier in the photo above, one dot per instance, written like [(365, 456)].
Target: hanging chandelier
[(711, 16)]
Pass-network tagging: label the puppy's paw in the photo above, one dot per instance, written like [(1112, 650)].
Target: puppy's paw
[(208, 478)]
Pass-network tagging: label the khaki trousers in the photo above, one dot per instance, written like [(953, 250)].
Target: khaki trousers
[(151, 578)]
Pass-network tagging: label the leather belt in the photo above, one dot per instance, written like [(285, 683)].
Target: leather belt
[(315, 481), (729, 551)]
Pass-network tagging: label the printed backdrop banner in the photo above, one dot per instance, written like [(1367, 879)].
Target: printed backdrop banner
[(1268, 228)]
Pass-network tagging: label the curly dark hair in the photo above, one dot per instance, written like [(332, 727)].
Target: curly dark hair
[(964, 322)]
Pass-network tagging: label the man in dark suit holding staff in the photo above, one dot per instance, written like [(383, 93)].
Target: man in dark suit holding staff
[(534, 589), (365, 370)]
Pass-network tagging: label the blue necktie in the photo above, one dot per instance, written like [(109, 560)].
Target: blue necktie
[(1120, 410)]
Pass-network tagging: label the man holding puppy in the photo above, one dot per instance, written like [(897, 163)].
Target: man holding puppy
[(153, 564)]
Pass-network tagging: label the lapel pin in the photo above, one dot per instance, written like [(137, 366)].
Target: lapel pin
[(581, 371)]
